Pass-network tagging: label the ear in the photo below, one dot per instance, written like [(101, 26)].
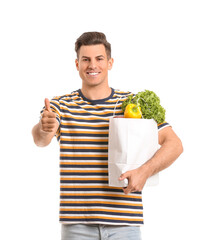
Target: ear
[(110, 63), (77, 64)]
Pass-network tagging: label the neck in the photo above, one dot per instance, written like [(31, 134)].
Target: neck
[(96, 92)]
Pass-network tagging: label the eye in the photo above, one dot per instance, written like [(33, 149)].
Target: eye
[(85, 59), (100, 59)]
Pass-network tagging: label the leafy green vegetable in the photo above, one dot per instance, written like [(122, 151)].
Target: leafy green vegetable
[(149, 103)]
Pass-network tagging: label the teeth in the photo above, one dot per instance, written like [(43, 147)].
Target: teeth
[(93, 74)]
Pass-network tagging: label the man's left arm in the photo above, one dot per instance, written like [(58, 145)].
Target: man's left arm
[(171, 148)]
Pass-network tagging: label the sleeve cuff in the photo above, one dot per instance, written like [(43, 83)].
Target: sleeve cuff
[(163, 125)]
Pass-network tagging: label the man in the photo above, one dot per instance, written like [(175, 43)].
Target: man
[(89, 208)]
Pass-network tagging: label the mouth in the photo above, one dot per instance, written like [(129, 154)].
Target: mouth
[(94, 74)]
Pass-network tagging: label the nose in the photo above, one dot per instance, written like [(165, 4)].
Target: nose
[(92, 64)]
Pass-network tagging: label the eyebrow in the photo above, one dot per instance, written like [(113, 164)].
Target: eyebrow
[(96, 56), (101, 56)]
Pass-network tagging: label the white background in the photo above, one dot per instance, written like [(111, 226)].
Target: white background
[(157, 45)]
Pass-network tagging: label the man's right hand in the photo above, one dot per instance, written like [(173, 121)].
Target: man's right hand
[(48, 120)]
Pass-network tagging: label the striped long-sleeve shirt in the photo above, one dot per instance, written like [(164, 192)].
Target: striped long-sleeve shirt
[(85, 196)]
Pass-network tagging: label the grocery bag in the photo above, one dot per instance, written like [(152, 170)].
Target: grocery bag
[(132, 142)]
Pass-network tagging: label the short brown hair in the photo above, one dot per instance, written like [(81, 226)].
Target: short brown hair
[(93, 38)]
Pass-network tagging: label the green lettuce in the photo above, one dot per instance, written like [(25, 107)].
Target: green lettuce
[(149, 103)]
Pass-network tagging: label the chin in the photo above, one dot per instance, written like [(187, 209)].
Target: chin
[(93, 83)]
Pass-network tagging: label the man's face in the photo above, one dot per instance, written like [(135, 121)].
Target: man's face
[(93, 65)]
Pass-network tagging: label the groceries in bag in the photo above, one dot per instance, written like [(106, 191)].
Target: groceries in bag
[(133, 140)]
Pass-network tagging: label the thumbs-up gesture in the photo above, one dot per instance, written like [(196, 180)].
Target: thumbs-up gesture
[(48, 120)]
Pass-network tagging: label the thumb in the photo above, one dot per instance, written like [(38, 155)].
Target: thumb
[(47, 105), (123, 176)]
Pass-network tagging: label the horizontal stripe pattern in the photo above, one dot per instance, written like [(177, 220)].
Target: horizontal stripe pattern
[(85, 196)]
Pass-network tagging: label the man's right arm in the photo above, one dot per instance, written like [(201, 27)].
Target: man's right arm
[(45, 130)]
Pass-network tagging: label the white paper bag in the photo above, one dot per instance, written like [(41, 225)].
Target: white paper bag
[(132, 142)]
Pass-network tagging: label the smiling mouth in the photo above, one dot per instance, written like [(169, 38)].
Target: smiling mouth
[(93, 73)]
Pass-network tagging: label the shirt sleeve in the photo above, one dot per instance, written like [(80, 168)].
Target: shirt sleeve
[(160, 126)]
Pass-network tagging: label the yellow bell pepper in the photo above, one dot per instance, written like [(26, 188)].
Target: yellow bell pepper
[(132, 111)]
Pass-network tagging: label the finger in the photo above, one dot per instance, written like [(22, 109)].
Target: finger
[(51, 127), (47, 114), (48, 121), (47, 130), (127, 190), (47, 105), (48, 127), (123, 176)]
